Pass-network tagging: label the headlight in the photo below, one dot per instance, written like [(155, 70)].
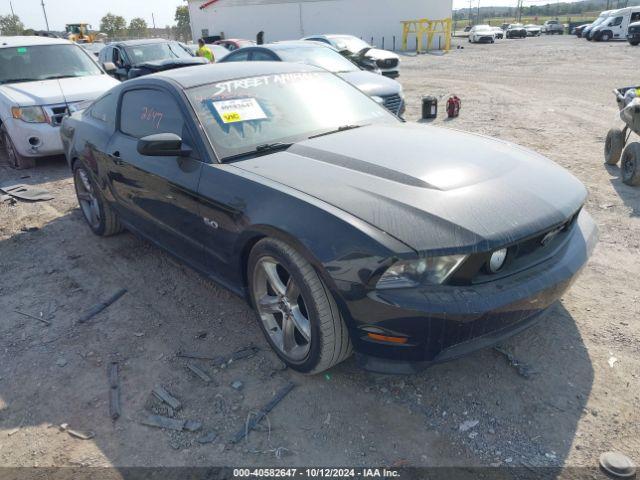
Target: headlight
[(411, 273), (78, 106), (497, 260), (29, 114), (379, 100)]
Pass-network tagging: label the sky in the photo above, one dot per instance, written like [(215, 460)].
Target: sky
[(61, 12)]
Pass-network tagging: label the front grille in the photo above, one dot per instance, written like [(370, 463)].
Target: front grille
[(393, 103), (56, 114), (388, 63), (634, 29)]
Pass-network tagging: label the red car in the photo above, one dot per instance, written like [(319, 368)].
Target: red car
[(232, 44)]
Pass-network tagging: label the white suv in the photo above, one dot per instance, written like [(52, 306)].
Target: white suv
[(40, 81)]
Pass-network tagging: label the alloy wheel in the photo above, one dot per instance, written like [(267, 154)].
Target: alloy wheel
[(282, 309), (87, 198)]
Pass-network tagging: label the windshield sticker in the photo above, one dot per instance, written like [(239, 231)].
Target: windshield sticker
[(239, 110), (22, 51), (255, 82)]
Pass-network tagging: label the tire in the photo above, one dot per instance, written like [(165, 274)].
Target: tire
[(605, 37), (630, 165), (100, 217), (613, 146), (634, 43), (319, 338), (17, 161)]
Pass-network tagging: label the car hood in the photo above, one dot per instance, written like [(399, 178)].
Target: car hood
[(377, 54), (372, 83), (50, 92), (171, 63), (432, 188)]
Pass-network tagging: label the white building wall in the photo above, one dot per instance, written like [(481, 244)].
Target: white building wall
[(290, 19)]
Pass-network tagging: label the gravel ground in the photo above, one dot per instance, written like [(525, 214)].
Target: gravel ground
[(574, 395)]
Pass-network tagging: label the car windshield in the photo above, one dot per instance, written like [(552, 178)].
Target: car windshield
[(242, 115), (44, 62), (483, 28), (154, 52), (323, 57), (598, 21), (353, 44)]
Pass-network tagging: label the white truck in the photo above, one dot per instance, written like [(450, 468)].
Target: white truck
[(551, 27), (41, 79), (616, 26)]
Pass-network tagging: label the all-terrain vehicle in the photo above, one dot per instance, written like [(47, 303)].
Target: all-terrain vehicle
[(617, 144)]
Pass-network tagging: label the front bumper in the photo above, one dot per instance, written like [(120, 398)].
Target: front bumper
[(632, 37), (48, 138), (446, 322)]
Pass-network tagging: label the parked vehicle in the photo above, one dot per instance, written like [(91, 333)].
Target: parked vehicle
[(586, 32), (41, 78), (633, 35), (467, 28), (533, 30), (516, 30), (577, 31), (385, 91), (360, 52), (617, 146), (499, 33), (616, 26), (219, 52), (232, 44), (341, 224), (552, 27), (482, 34), (134, 58)]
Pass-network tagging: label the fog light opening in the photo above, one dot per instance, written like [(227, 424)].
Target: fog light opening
[(35, 141)]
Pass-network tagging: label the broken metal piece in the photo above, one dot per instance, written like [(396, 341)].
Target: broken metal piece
[(26, 192), (245, 352), (196, 356), (114, 391), (251, 425), (199, 372), (93, 311), (159, 421), (161, 394), (46, 322), (81, 435)]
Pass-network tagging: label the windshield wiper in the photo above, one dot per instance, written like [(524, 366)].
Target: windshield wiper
[(58, 77), (260, 150), (21, 80), (343, 128)]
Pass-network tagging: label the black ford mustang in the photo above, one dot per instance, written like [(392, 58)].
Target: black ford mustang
[(345, 227)]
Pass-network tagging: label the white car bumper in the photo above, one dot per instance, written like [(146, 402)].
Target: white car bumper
[(34, 139)]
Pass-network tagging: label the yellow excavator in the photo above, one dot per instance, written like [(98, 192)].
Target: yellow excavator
[(79, 33)]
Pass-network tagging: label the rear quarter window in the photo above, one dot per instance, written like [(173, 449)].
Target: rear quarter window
[(104, 110)]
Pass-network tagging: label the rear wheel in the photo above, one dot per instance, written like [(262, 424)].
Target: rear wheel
[(15, 160), (99, 216), (296, 310), (631, 164), (613, 146)]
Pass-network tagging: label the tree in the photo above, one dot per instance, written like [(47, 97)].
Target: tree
[(138, 27), (11, 25), (113, 25), (183, 22)]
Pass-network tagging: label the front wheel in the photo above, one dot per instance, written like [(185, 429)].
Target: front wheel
[(634, 43), (17, 161), (613, 146), (631, 164), (296, 311)]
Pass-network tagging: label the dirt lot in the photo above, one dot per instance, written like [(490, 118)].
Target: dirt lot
[(548, 94)]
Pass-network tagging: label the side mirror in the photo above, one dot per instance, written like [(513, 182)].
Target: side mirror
[(109, 67), (163, 145)]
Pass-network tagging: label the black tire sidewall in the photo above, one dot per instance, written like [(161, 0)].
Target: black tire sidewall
[(100, 230), (615, 141), (270, 248), (632, 149)]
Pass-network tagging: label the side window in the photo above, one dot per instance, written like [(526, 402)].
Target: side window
[(635, 16), (241, 56), (147, 112), (104, 55), (616, 22), (262, 56), (104, 110)]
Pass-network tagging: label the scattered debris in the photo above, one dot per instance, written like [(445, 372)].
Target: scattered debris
[(114, 391), (617, 464), (263, 413), (93, 311), (196, 356), (192, 425), (29, 229), (237, 385), (245, 352), (13, 432), (612, 361), (523, 369), (208, 438), (61, 362), (468, 425), (159, 421), (199, 372), (161, 394), (27, 192), (40, 319)]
